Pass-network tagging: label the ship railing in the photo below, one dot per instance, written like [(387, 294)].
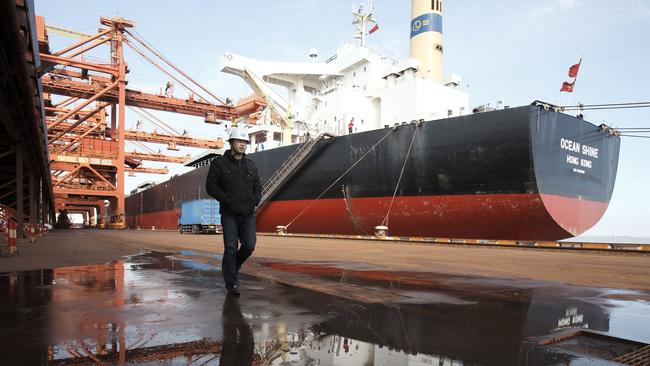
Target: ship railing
[(299, 157)]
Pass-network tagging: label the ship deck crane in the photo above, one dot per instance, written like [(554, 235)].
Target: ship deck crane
[(281, 114)]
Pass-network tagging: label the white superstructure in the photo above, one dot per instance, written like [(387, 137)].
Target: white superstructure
[(356, 85)]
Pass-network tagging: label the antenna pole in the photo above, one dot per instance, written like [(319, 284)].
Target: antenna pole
[(360, 18)]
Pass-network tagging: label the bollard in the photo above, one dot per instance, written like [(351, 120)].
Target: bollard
[(381, 231), (11, 229)]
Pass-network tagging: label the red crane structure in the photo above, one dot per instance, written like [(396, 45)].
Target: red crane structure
[(86, 129)]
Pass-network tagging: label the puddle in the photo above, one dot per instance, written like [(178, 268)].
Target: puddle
[(155, 308)]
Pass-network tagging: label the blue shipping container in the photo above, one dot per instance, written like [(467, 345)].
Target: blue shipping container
[(200, 216)]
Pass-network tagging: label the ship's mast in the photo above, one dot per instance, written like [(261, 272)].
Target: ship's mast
[(360, 18)]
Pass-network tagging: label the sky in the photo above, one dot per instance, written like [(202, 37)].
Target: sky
[(515, 51)]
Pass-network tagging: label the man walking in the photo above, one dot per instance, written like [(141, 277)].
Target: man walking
[(234, 182)]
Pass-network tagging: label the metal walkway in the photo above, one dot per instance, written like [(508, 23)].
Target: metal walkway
[(302, 154)]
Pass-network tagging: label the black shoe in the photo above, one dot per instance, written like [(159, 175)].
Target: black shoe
[(233, 290)]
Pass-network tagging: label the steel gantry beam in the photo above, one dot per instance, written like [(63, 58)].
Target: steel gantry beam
[(79, 89), (164, 170), (156, 157), (172, 141), (95, 129), (134, 135)]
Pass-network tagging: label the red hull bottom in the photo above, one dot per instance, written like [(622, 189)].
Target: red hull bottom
[(502, 216)]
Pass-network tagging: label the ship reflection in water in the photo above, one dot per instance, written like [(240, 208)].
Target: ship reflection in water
[(153, 308)]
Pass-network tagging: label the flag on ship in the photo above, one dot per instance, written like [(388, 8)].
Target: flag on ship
[(567, 87), (573, 70), (573, 73)]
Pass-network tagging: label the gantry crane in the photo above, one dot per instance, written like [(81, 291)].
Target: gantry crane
[(87, 131)]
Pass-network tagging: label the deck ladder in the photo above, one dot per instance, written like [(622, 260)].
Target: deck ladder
[(291, 165)]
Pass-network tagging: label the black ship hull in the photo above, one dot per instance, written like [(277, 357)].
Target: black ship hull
[(523, 173)]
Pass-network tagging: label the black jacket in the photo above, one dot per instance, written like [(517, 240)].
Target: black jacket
[(235, 184)]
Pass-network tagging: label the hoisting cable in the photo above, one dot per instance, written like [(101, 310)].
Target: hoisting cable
[(145, 147), (385, 221), (339, 178), (150, 47), (136, 49), (151, 118)]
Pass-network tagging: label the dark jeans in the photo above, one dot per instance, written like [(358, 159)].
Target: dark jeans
[(236, 230)]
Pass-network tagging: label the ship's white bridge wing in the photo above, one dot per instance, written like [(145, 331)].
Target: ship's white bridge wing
[(288, 74)]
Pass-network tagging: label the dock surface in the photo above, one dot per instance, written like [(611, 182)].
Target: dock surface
[(584, 268), (83, 297)]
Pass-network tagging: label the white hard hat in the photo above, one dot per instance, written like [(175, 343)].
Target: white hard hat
[(238, 133)]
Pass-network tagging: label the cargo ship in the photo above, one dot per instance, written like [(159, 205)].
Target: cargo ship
[(408, 154)]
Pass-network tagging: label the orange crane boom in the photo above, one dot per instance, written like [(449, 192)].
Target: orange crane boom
[(78, 89)]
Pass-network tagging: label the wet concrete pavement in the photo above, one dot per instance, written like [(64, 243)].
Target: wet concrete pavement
[(171, 308)]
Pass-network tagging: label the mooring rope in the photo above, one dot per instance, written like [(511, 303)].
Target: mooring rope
[(587, 107), (339, 178), (353, 217), (385, 221)]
